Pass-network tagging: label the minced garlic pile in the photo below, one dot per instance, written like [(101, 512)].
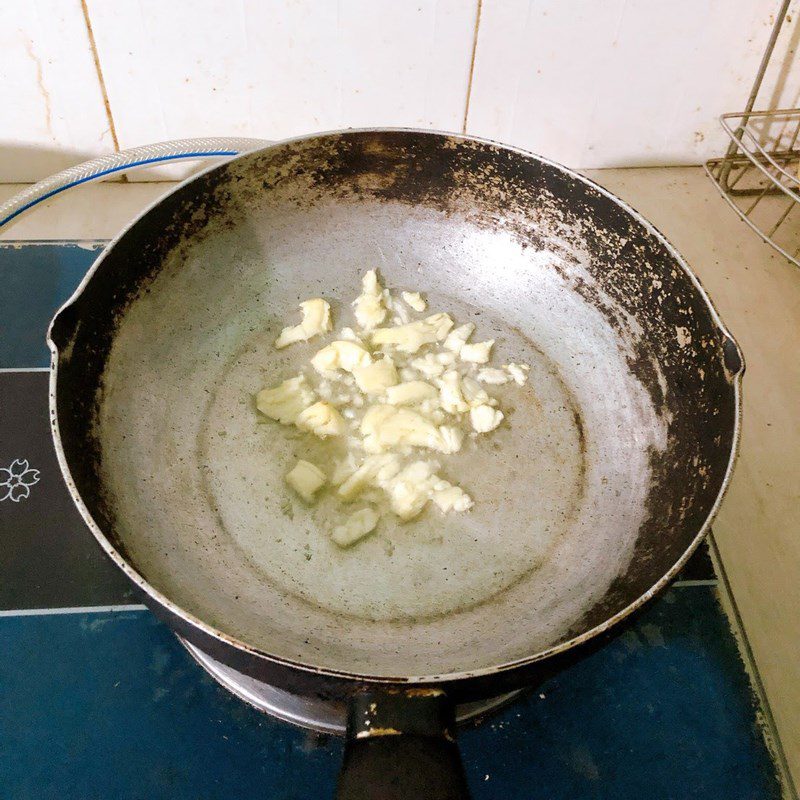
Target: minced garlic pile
[(391, 391)]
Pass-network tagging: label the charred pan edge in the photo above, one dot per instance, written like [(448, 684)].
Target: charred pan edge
[(735, 360)]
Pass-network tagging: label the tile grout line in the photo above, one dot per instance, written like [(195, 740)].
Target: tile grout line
[(101, 80), (472, 65), (774, 743), (45, 612)]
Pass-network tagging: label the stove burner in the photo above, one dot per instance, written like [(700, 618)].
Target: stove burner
[(307, 712)]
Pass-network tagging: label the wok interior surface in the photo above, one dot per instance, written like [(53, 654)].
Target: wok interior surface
[(611, 460)]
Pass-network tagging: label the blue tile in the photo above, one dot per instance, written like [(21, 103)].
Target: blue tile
[(36, 280), (109, 705), (664, 711)]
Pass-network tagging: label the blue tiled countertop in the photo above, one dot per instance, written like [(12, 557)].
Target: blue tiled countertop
[(98, 699)]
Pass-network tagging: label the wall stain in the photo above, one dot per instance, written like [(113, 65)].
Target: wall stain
[(48, 109)]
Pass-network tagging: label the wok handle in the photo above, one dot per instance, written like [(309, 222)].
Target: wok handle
[(401, 746)]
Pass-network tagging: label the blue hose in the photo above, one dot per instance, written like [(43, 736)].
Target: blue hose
[(99, 168)]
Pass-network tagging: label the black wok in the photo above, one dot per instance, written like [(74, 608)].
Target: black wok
[(611, 467)]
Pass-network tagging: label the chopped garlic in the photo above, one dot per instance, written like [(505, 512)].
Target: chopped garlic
[(316, 319), (349, 335), (321, 419), (450, 395), (451, 439), (519, 372), (436, 415), (457, 338), (375, 417), (485, 418), (451, 498), (356, 527), (409, 338), (441, 324), (428, 365), (286, 401), (493, 376), (342, 469), (430, 406), (410, 392), (325, 389), (376, 469), (410, 489), (477, 353), (376, 377), (385, 427), (414, 300), (377, 444), (341, 355), (473, 392), (306, 479), (369, 307)]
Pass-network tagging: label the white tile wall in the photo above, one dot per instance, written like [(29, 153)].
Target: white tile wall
[(621, 82), (275, 68), (51, 107), (591, 83)]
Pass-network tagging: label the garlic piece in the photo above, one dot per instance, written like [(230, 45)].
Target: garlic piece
[(286, 401), (350, 335), (485, 418), (358, 525), (519, 372), (450, 394), (401, 315), (375, 378), (451, 439), (492, 376), (375, 417), (342, 469), (306, 479), (428, 365), (451, 498), (385, 426), (369, 307), (410, 489), (474, 393), (441, 324), (409, 393), (457, 338), (414, 300), (409, 338), (375, 470), (321, 419), (341, 355), (477, 353), (316, 319)]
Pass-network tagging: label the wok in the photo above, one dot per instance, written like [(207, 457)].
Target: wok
[(588, 502)]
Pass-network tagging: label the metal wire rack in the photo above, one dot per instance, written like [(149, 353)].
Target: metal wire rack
[(759, 175)]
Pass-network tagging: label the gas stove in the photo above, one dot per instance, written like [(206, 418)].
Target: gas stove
[(99, 699)]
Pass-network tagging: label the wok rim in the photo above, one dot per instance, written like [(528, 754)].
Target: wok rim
[(735, 379)]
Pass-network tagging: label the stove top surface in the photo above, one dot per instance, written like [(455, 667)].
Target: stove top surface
[(99, 699)]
